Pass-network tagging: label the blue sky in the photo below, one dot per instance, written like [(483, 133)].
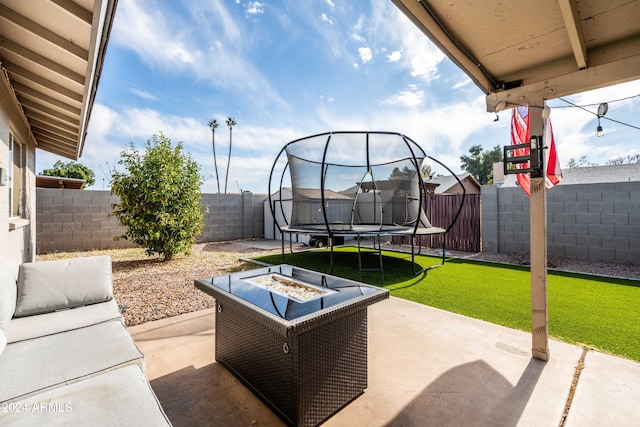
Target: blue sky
[(288, 69)]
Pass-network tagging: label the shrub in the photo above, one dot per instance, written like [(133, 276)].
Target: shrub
[(159, 197)]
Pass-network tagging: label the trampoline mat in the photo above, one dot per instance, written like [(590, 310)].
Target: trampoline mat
[(346, 229)]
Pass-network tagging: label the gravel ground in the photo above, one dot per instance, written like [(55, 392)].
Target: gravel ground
[(148, 289)]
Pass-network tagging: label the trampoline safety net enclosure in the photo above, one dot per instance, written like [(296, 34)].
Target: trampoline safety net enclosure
[(352, 183)]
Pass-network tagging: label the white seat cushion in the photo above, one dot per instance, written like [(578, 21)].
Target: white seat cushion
[(3, 341), (25, 328), (34, 365), (121, 397), (8, 294)]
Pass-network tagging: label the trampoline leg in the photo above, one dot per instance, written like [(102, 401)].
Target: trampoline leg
[(330, 258), (282, 243), (419, 246), (379, 256), (359, 257), (413, 257), (378, 249), (444, 246)]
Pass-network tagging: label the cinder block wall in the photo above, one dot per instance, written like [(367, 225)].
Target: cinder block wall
[(70, 220), (232, 216), (599, 222)]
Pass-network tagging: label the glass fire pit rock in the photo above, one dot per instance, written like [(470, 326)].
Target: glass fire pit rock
[(296, 338)]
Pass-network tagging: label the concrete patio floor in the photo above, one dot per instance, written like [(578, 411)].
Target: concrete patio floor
[(427, 367)]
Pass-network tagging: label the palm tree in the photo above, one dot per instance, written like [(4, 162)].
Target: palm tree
[(231, 123), (213, 124)]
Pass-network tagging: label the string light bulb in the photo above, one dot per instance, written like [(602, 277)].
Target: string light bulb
[(602, 110)]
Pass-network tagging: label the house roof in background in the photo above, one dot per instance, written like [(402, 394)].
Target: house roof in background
[(446, 182), (44, 181), (51, 53), (591, 175), (308, 193)]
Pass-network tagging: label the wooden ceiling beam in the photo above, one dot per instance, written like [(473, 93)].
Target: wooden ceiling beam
[(45, 126), (36, 58), (620, 71), (23, 90), (573, 25), (42, 32), (54, 138), (16, 70), (76, 10), (34, 106), (35, 116)]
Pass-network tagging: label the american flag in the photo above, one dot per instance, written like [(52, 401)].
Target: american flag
[(520, 135)]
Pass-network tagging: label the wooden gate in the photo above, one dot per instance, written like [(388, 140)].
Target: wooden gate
[(440, 209)]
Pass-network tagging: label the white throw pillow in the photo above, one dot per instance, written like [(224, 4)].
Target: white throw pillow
[(3, 341), (8, 294), (48, 286)]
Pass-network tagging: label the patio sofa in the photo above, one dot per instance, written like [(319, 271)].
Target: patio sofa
[(66, 357)]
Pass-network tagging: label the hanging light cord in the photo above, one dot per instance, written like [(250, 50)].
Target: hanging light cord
[(596, 114)]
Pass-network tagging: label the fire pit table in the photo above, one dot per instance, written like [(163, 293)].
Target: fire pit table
[(296, 338)]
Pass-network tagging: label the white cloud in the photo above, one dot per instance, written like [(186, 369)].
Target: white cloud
[(253, 153), (143, 94), (208, 44), (330, 3), (394, 56), (255, 7), (177, 52), (325, 18), (391, 27), (356, 30), (466, 81), (406, 98), (365, 54)]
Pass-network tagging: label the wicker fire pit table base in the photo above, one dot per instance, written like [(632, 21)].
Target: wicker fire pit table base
[(296, 338)]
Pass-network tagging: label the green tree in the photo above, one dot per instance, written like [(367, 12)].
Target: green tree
[(71, 170), (405, 173), (582, 162), (480, 163), (426, 171), (231, 122), (159, 197), (630, 159), (213, 124)]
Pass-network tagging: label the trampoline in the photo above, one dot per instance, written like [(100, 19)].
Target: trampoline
[(356, 184)]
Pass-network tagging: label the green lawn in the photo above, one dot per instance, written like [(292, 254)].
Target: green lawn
[(594, 311)]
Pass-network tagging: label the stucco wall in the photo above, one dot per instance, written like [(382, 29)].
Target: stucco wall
[(588, 221), (70, 220), (16, 236)]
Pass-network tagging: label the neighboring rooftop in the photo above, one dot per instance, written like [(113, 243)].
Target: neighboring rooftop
[(591, 175), (445, 184), (44, 181)]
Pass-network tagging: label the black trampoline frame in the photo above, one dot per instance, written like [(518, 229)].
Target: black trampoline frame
[(330, 232)]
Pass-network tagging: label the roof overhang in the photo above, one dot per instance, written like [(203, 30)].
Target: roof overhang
[(517, 52), (45, 181), (52, 52)]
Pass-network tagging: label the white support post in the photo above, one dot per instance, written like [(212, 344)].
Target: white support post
[(538, 247)]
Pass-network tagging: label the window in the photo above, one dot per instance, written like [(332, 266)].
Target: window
[(16, 183)]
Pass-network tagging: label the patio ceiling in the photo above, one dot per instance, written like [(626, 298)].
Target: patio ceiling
[(518, 51), (52, 52)]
